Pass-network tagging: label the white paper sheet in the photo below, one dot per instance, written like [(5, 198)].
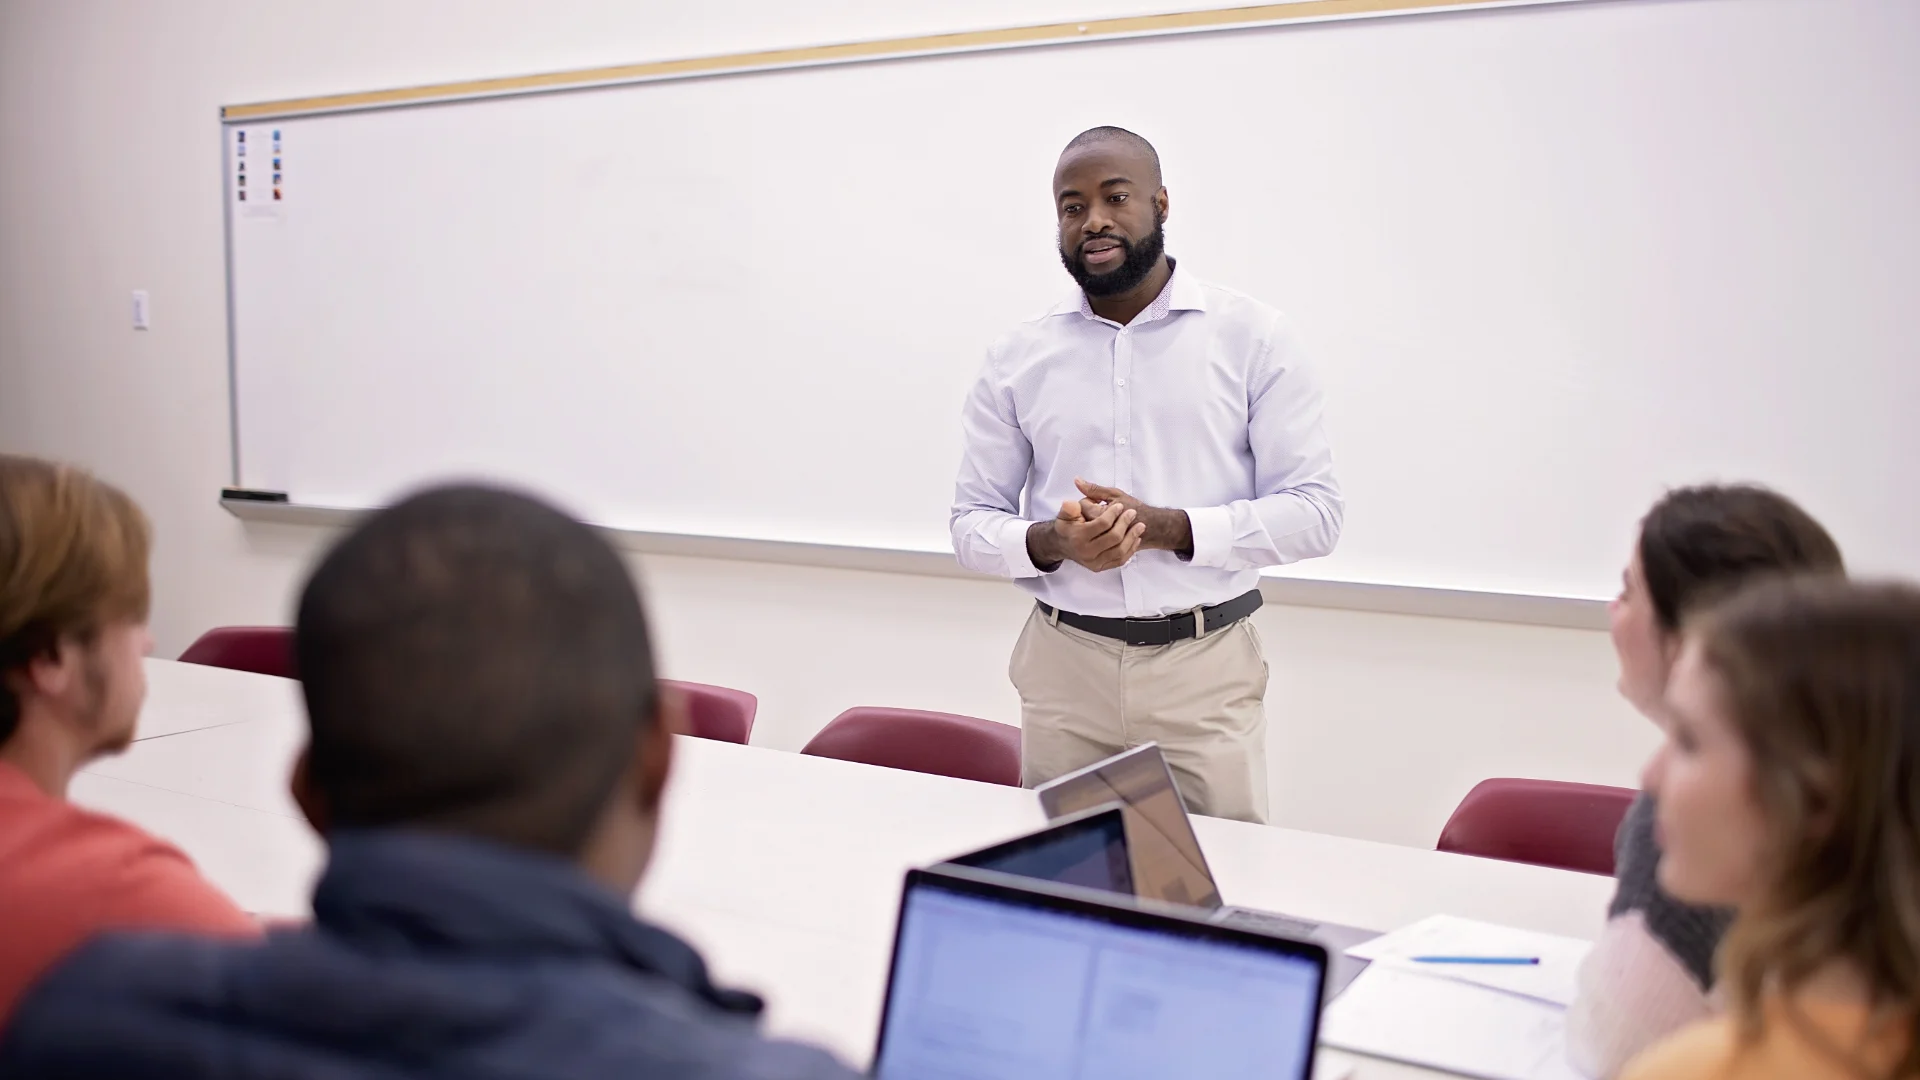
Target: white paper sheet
[(1446, 1024), (1330, 1070), (1553, 979)]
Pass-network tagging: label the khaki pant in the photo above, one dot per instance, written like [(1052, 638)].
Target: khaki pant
[(1084, 697)]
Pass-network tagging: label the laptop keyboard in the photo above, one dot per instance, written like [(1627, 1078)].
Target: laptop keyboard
[(1268, 923)]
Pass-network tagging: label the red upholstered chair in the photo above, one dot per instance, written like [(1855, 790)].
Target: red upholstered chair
[(930, 742), (1544, 822), (264, 650), (716, 712)]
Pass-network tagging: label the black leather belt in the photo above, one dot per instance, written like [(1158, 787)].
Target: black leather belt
[(1166, 629)]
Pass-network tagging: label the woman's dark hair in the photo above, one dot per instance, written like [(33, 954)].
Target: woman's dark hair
[(1700, 543)]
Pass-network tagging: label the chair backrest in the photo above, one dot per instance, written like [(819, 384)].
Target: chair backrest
[(720, 713), (1543, 822), (264, 650), (944, 744)]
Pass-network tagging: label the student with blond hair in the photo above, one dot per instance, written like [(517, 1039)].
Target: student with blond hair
[(1789, 791), (73, 631)]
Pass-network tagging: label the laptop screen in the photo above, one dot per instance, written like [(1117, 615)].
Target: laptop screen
[(999, 983), (1167, 862), (1088, 850)]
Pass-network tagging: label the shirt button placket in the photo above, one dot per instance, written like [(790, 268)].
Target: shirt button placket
[(1123, 443)]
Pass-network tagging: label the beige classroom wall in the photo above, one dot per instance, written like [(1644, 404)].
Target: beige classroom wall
[(110, 182)]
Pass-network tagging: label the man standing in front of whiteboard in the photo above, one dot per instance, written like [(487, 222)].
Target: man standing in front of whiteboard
[(1133, 458)]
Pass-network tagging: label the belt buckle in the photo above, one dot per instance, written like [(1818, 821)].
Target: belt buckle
[(1162, 627)]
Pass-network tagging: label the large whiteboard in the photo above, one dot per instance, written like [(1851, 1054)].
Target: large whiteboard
[(1551, 259)]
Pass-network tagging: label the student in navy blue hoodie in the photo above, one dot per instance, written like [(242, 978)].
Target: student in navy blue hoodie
[(487, 758)]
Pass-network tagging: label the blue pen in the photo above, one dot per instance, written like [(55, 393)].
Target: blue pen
[(1476, 960)]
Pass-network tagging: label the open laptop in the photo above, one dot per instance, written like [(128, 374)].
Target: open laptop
[(1167, 862), (1002, 978), (1088, 850)]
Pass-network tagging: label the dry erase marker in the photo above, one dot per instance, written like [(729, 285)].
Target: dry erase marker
[(1476, 960)]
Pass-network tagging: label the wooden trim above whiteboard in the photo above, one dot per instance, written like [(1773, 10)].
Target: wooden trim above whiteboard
[(1298, 11), (1575, 613)]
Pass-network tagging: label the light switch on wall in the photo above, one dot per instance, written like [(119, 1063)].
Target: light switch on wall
[(139, 309)]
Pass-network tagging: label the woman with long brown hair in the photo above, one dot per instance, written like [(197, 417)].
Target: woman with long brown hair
[(1789, 790), (1651, 972)]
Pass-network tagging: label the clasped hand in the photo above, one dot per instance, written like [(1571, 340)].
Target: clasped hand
[(1102, 530)]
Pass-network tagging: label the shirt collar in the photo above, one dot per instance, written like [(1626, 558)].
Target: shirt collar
[(416, 891), (1184, 292), (1181, 293)]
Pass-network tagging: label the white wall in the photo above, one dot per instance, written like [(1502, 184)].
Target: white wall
[(110, 181)]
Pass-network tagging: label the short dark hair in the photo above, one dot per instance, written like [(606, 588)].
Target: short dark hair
[(73, 557), (1109, 133), (1699, 543), (477, 661)]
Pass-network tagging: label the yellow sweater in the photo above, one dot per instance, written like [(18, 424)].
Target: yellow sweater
[(1824, 1041)]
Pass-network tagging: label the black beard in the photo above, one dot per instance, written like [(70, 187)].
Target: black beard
[(1139, 262)]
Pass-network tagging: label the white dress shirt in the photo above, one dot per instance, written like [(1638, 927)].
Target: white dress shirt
[(1204, 403)]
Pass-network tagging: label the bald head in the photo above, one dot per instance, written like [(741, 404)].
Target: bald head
[(1110, 138)]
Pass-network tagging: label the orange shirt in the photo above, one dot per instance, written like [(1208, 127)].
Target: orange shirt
[(67, 874), (1847, 1043)]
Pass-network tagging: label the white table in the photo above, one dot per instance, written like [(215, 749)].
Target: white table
[(784, 870)]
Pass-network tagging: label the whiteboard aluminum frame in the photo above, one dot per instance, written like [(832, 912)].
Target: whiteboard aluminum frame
[(955, 43)]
